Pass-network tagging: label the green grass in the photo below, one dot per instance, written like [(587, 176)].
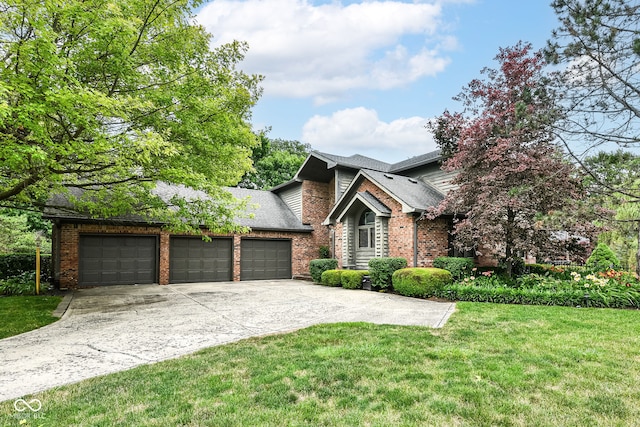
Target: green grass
[(21, 314), (491, 365)]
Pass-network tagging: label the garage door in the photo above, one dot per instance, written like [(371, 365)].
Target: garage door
[(265, 259), (194, 260), (118, 260)]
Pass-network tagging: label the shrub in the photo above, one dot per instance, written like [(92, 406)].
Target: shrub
[(420, 282), (318, 266), (458, 267), (22, 284), (324, 252), (541, 269), (16, 264), (381, 270), (352, 279), (603, 258), (331, 277)]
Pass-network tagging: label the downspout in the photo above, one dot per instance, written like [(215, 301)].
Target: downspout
[(415, 241)]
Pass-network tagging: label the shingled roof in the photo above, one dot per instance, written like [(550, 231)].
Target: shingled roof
[(414, 195), (268, 211)]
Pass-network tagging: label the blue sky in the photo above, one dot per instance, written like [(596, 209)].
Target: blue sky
[(365, 77)]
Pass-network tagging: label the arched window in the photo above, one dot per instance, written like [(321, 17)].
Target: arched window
[(367, 230)]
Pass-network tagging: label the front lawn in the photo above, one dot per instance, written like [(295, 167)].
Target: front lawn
[(491, 364), (21, 314)]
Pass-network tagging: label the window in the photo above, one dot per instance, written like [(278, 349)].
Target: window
[(367, 230)]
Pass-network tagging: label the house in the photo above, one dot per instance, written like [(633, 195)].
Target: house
[(357, 206)]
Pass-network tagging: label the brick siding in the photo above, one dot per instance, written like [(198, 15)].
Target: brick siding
[(432, 235)]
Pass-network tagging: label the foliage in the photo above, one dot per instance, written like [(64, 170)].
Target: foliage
[(420, 282), (352, 279), (324, 252), (538, 268), (331, 278), (517, 265), (459, 267), (610, 289), (319, 266), (22, 314), (275, 161), (614, 183), (100, 101), (598, 45), (21, 284), (381, 270), (17, 264), (511, 174), (602, 258)]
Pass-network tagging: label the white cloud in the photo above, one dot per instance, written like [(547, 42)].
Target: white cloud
[(360, 131), (324, 50)]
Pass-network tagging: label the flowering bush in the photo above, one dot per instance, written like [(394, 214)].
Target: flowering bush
[(605, 289)]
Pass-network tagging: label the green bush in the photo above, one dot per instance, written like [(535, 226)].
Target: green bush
[(458, 267), (331, 278), (319, 266), (381, 270), (16, 264), (541, 269), (324, 252), (21, 284), (352, 279), (611, 289), (420, 282), (602, 259)]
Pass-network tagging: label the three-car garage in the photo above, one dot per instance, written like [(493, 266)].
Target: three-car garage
[(135, 259)]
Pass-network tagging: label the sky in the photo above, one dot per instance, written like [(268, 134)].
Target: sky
[(364, 77)]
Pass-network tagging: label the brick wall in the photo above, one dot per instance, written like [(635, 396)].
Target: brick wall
[(400, 224), (317, 201), (432, 235), (433, 241)]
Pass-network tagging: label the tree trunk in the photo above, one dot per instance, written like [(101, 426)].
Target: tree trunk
[(508, 250)]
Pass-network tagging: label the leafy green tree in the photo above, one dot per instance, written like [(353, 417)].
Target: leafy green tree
[(602, 258), (17, 236), (275, 161), (511, 176), (613, 181), (100, 101)]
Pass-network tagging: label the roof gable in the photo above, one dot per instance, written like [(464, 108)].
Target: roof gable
[(413, 195)]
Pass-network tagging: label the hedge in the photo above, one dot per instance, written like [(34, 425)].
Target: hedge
[(17, 264), (318, 266), (381, 270), (420, 282), (331, 278), (458, 267), (352, 279), (571, 298)]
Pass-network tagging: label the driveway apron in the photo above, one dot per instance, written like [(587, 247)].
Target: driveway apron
[(114, 328)]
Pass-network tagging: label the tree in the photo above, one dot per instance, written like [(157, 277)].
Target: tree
[(608, 172), (603, 258), (511, 176), (100, 101), (275, 161), (598, 43)]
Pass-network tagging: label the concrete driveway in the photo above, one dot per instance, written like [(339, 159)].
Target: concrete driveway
[(109, 329)]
